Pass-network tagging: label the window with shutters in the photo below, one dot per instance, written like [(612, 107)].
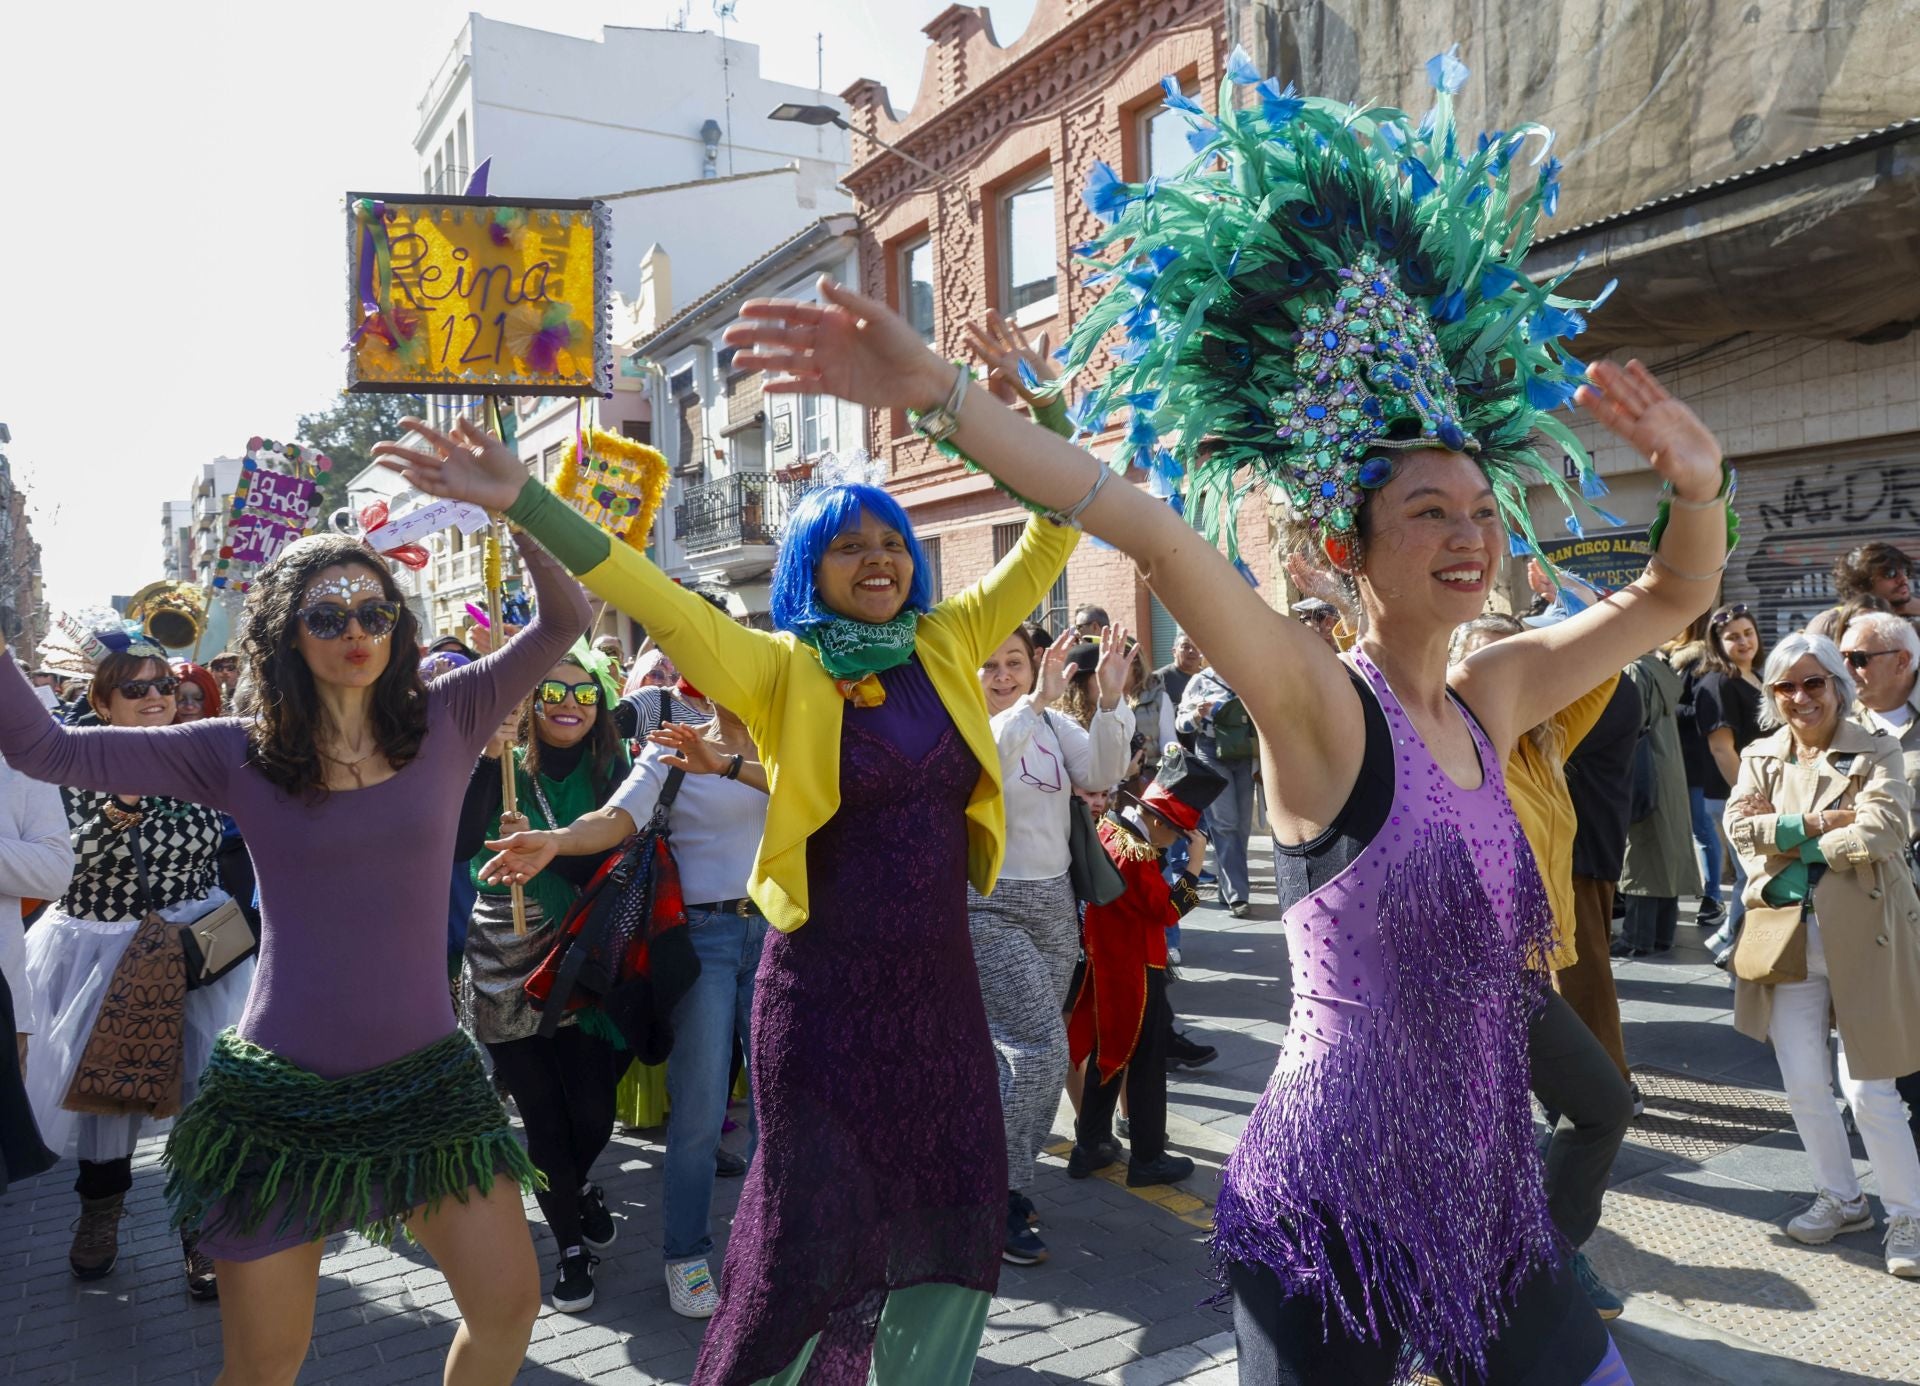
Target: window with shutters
[(1053, 613), (930, 551)]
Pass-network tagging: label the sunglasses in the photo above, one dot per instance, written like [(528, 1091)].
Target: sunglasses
[(225, 666), (138, 688), (1736, 612), (585, 694), (1860, 659), (1812, 687), (329, 622)]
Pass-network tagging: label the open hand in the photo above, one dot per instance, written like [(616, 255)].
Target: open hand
[(693, 753), (1052, 679), (849, 346), (995, 341), (470, 464), (523, 855), (1110, 674), (1637, 409)]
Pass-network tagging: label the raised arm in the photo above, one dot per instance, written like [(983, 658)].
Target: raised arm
[(720, 657), (480, 694), (1520, 682), (194, 762), (858, 349)]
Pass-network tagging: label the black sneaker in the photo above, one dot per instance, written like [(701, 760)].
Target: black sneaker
[(1183, 1052), (1028, 1213), (573, 1287), (1084, 1163), (1710, 915), (1168, 1169), (1023, 1247), (728, 1165), (597, 1227)]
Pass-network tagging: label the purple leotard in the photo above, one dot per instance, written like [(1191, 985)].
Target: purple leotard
[(1396, 1131), (352, 971)]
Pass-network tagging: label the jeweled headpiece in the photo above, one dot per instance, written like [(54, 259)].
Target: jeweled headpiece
[(1324, 285), (81, 640)]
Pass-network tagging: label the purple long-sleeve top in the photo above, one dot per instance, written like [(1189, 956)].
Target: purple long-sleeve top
[(352, 971)]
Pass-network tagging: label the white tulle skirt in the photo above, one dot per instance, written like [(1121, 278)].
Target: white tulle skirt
[(69, 964)]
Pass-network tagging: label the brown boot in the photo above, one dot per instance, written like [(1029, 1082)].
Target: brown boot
[(96, 1238), (200, 1277)]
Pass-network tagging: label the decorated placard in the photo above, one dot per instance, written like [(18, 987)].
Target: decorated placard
[(477, 295), (273, 504), (615, 482)]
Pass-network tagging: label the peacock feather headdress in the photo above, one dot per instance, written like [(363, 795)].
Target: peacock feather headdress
[(1321, 286)]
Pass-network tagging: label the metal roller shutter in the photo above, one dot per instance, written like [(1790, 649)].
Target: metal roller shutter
[(1798, 516)]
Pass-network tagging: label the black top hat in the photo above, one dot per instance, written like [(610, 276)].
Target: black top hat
[(1182, 788)]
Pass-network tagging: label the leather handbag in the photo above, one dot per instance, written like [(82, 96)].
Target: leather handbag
[(1773, 945), (215, 943)]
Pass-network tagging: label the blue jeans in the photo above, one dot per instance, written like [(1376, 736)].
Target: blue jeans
[(1232, 816), (1706, 834), (705, 1024)]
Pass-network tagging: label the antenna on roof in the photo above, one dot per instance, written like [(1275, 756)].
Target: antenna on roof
[(723, 11)]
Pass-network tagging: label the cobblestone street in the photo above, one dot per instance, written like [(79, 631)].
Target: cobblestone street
[(1692, 1236)]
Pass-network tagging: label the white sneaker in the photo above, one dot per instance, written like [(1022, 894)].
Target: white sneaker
[(1828, 1218), (1903, 1247), (690, 1289)]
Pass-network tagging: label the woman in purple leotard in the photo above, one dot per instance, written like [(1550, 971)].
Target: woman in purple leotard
[(1385, 1204), (347, 1098)]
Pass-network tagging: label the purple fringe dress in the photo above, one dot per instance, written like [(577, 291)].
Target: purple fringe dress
[(882, 1162), (1396, 1129)]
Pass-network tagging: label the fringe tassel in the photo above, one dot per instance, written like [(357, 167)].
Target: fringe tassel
[(1404, 1144), (362, 1153)]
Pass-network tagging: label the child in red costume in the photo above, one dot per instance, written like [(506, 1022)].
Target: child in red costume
[(1116, 1016)]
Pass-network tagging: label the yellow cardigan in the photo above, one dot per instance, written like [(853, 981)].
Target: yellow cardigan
[(1537, 787), (775, 685)]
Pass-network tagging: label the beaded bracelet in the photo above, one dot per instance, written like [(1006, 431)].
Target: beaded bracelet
[(1729, 482)]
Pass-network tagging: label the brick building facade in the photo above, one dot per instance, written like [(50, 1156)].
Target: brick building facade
[(1009, 134)]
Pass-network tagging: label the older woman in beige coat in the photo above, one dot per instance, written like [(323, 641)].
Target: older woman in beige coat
[(1820, 817)]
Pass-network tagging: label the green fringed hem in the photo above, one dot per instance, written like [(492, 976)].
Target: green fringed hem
[(359, 1153)]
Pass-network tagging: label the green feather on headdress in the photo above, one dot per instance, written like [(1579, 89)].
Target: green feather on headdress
[(1323, 285)]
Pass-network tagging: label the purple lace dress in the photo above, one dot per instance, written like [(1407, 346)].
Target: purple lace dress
[(881, 1162), (1396, 1130)]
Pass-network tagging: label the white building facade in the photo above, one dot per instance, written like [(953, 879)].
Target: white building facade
[(741, 457), (670, 128)]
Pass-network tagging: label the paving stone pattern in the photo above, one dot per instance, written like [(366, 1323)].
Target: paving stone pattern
[(1692, 1233)]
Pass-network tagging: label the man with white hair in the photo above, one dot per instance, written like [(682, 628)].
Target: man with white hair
[(1883, 655)]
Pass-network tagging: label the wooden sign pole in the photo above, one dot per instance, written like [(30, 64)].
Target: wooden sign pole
[(509, 796)]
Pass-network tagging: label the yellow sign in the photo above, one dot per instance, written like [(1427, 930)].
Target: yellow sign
[(478, 295), (618, 485)]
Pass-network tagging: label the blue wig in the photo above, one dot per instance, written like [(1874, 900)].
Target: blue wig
[(813, 524)]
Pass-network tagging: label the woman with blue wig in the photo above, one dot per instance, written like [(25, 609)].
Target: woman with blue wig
[(869, 1233)]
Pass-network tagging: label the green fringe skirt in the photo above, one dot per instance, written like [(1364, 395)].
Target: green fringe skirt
[(269, 1155)]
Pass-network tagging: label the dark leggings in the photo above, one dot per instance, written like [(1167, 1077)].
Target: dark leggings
[(564, 1089), (1552, 1337), (104, 1178)]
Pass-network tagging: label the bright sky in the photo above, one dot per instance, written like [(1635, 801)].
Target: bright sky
[(174, 246)]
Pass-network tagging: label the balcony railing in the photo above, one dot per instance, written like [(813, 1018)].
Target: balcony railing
[(745, 509)]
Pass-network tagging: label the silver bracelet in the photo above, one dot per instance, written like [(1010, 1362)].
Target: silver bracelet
[(1680, 502), (1071, 518), (1707, 576)]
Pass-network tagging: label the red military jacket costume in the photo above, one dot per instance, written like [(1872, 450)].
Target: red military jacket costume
[(1122, 941)]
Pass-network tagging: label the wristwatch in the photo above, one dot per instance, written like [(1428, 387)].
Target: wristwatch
[(938, 423)]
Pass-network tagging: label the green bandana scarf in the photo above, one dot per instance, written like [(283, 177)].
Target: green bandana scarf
[(850, 649)]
